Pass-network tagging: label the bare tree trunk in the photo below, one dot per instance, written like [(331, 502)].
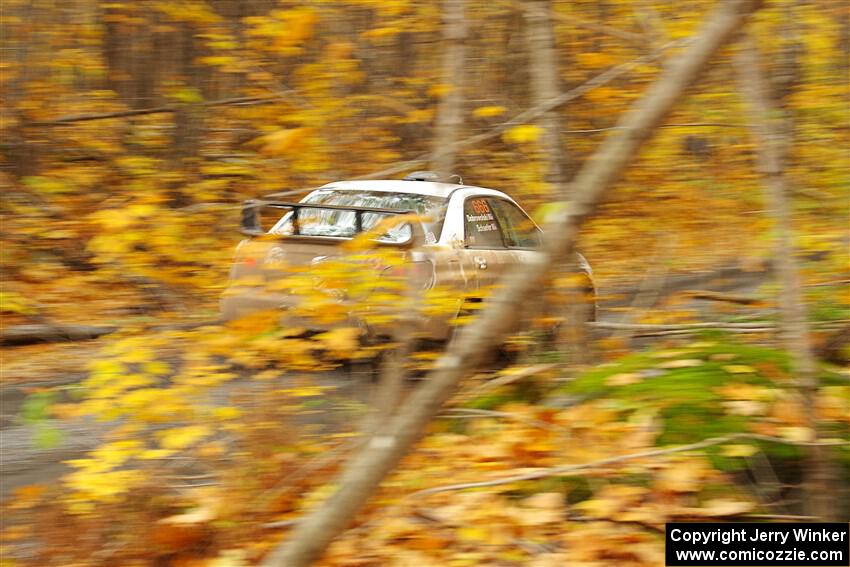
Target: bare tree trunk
[(770, 144), (544, 87), (188, 118), (450, 109), (17, 146), (378, 458), (543, 59)]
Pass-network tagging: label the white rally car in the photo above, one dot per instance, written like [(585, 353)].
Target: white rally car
[(467, 238)]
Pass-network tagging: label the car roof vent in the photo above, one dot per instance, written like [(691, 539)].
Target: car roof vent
[(434, 176)]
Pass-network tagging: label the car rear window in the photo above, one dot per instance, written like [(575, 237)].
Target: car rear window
[(327, 222)]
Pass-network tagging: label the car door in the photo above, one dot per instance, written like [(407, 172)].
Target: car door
[(482, 244)]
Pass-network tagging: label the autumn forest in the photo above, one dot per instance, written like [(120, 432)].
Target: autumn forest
[(695, 152)]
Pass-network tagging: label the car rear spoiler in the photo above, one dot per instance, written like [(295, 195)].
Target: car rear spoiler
[(251, 208)]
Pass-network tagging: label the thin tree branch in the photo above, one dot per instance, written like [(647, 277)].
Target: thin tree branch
[(579, 22), (555, 471), (690, 125), (157, 110), (467, 413), (576, 21)]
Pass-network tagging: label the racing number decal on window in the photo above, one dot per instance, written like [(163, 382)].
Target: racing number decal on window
[(480, 206), (482, 228), (482, 217)]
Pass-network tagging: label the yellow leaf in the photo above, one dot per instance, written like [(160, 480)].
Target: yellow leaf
[(546, 501), (722, 508), (623, 379), (342, 342), (227, 412), (740, 450), (746, 392), (473, 534), (723, 356), (739, 369), (745, 407), (601, 94), (156, 367), (382, 33), (523, 134), (306, 391), (230, 558), (594, 60), (200, 515), (283, 142), (682, 476), (217, 60), (667, 353), (488, 111), (439, 90), (11, 302), (798, 434), (681, 363), (182, 437), (611, 500)]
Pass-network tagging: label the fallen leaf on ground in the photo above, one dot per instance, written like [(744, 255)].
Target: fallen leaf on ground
[(723, 356), (681, 363), (668, 353), (739, 369), (623, 379), (722, 507), (739, 450), (745, 407)]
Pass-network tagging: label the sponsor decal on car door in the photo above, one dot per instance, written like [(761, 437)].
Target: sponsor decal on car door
[(482, 242)]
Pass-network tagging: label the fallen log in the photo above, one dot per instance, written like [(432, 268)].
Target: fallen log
[(707, 295), (663, 330), (836, 347), (729, 278), (33, 334), (21, 335)]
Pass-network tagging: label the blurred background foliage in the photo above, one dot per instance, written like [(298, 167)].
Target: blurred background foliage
[(132, 131), (213, 102)]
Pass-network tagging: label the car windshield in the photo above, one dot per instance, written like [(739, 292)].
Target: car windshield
[(341, 223)]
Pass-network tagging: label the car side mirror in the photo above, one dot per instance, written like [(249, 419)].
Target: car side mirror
[(251, 225)]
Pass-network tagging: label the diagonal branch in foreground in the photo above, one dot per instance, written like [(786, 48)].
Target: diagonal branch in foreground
[(367, 469)]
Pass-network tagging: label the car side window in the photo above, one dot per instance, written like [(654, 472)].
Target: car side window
[(519, 230), (481, 226)]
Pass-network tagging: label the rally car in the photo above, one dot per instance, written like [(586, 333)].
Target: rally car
[(462, 238)]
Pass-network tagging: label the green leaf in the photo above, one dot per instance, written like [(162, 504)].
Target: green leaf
[(47, 435), (34, 408)]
